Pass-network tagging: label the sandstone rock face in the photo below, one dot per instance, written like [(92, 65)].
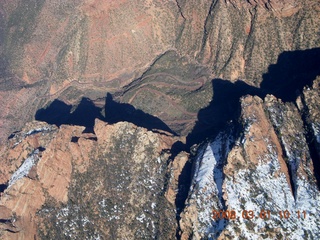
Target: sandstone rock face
[(267, 171), (104, 185), (176, 170)]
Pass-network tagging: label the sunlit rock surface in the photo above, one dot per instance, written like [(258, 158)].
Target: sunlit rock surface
[(269, 168), (69, 184)]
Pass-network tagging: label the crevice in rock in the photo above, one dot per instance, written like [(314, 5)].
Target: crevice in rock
[(12, 135), (292, 172), (184, 184), (207, 22), (92, 138), (180, 10), (249, 39), (3, 187), (74, 139), (41, 149), (218, 173)]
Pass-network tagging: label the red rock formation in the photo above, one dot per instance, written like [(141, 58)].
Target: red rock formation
[(83, 174)]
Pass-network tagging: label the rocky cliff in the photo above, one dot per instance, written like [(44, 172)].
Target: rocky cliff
[(64, 184), (262, 182), (159, 119)]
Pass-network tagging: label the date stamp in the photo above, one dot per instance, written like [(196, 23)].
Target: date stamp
[(262, 214)]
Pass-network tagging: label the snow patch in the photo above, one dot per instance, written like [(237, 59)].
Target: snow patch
[(206, 191), (24, 169), (141, 217), (316, 129), (263, 187), (21, 135), (261, 190), (153, 205), (71, 218), (37, 130)]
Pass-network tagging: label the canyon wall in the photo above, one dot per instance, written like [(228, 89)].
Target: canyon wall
[(150, 54)]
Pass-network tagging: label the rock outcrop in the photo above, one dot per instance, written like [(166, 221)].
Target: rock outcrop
[(265, 176), (69, 184), (257, 178)]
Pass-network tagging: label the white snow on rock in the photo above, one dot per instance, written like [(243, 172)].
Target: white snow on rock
[(24, 169), (265, 189), (262, 188), (207, 184), (37, 130), (141, 217), (316, 129)]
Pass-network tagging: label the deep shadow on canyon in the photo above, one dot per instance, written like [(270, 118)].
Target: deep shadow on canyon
[(86, 112), (3, 187), (285, 80)]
